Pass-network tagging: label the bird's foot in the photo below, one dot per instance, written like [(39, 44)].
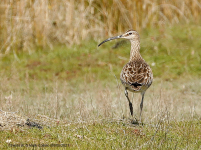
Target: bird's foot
[(133, 120)]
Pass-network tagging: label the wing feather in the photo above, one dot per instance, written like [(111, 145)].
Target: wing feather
[(136, 75)]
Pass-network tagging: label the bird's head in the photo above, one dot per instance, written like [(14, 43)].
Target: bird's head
[(130, 35)]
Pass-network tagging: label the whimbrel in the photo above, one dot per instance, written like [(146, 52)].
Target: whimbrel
[(136, 75)]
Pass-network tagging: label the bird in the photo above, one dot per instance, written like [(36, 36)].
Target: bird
[(136, 76)]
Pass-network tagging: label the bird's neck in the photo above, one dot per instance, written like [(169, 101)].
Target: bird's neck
[(135, 50)]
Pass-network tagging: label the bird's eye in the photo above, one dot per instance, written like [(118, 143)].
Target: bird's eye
[(130, 33)]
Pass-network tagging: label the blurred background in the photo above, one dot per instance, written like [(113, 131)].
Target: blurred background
[(26, 24), (50, 63)]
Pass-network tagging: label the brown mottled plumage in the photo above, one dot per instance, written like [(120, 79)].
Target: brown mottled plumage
[(136, 75)]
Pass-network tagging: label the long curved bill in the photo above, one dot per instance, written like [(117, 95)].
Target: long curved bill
[(112, 38)]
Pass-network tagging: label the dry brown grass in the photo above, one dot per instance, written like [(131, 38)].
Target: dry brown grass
[(95, 101), (25, 24)]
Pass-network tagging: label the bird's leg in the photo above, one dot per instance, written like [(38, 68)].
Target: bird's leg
[(130, 104), (141, 106)]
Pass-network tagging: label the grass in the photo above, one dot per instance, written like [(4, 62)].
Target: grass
[(171, 52), (108, 134), (27, 25), (78, 87)]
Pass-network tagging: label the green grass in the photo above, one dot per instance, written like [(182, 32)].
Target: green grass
[(171, 52), (110, 135), (77, 85)]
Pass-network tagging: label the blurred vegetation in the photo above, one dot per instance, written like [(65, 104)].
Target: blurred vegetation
[(42, 36), (172, 53), (26, 25)]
